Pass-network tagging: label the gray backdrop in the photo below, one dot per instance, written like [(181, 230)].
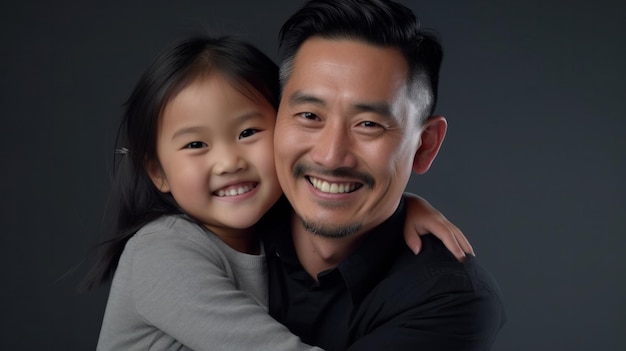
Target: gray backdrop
[(531, 169)]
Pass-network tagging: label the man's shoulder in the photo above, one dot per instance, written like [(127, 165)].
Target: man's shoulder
[(434, 281), (433, 291), (435, 265)]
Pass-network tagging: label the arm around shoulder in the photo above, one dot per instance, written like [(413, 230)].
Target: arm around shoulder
[(448, 311)]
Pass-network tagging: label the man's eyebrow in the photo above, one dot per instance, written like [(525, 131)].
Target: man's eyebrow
[(380, 108), (300, 97)]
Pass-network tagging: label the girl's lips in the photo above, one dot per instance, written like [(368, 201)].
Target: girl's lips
[(236, 189)]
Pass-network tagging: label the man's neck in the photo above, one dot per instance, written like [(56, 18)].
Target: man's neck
[(317, 253)]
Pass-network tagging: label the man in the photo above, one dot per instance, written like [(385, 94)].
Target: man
[(359, 84)]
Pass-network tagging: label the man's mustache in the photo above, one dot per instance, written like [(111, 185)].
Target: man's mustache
[(299, 170)]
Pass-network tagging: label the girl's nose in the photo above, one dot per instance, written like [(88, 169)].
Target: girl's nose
[(229, 162)]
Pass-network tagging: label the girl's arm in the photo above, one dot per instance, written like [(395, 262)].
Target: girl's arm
[(183, 284), (422, 218)]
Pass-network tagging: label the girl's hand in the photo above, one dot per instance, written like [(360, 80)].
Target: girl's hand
[(422, 218)]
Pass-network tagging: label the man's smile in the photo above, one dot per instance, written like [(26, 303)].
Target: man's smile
[(333, 187)]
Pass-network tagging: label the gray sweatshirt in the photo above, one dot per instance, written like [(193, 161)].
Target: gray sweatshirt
[(179, 287)]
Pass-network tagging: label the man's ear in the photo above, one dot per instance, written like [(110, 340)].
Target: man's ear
[(433, 133), (157, 176)]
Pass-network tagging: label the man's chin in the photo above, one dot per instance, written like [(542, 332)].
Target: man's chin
[(326, 230)]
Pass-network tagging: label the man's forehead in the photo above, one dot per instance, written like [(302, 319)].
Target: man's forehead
[(343, 62), (346, 52)]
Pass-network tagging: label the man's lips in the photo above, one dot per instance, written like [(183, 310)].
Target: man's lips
[(333, 187), (354, 179), (236, 189)]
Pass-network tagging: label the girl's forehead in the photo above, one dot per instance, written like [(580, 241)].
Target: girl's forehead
[(213, 102), (222, 82)]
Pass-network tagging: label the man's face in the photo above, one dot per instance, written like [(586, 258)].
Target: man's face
[(346, 135)]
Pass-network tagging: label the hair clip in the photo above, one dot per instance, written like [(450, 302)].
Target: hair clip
[(122, 151)]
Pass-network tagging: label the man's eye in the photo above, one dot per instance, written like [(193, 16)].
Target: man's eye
[(308, 115), (248, 133), (370, 124), (196, 145)]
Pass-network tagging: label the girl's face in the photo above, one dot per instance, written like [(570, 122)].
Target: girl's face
[(215, 150)]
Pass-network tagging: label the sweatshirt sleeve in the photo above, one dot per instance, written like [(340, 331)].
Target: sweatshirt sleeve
[(181, 285)]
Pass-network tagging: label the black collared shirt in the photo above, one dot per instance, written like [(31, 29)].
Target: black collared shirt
[(383, 296)]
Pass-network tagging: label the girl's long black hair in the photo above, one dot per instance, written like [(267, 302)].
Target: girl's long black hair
[(135, 200)]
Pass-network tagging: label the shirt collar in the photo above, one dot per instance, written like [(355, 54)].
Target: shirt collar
[(363, 268), (374, 255)]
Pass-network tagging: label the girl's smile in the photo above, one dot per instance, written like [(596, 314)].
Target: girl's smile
[(215, 154)]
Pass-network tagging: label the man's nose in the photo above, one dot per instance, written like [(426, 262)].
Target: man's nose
[(334, 147)]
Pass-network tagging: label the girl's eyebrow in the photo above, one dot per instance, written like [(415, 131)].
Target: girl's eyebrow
[(187, 130), (248, 116), (238, 120)]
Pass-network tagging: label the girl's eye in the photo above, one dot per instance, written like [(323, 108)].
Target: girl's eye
[(248, 133), (196, 145)]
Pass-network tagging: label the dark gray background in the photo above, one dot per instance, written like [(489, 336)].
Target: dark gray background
[(531, 169)]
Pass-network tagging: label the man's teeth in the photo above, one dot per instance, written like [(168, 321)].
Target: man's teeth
[(235, 190), (334, 188)]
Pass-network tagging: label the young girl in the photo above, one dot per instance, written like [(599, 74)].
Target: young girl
[(195, 176)]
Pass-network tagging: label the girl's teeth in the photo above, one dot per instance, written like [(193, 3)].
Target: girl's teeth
[(233, 191)]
